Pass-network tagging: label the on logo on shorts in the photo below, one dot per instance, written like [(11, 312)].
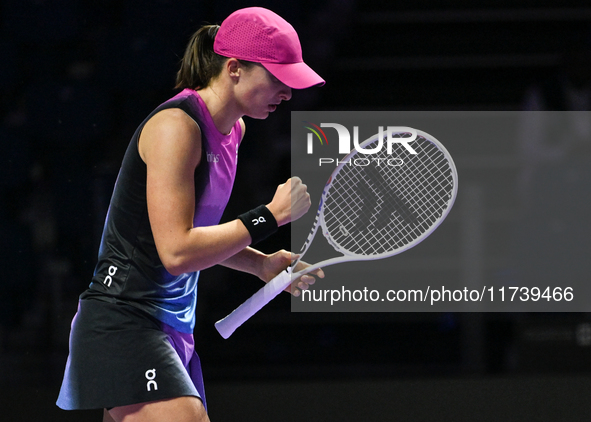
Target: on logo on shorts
[(151, 376)]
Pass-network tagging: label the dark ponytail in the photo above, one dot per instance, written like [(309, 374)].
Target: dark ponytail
[(200, 64)]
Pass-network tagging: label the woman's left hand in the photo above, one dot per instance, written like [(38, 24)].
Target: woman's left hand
[(279, 261)]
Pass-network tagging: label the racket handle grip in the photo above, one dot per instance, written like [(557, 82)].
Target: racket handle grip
[(241, 314)]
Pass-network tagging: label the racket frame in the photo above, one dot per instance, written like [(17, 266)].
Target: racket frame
[(320, 222)]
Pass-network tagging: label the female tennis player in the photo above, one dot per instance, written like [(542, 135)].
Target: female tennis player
[(131, 343)]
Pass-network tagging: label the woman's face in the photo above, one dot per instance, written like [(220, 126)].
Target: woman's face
[(259, 93)]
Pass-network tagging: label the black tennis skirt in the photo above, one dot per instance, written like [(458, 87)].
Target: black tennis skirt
[(120, 355)]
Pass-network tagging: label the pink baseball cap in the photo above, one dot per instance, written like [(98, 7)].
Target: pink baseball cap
[(258, 35)]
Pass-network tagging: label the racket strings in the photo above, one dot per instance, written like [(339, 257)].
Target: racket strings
[(378, 208), (431, 175)]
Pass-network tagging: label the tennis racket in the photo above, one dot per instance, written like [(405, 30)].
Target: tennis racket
[(372, 207)]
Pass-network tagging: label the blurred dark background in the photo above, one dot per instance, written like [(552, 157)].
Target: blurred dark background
[(77, 78)]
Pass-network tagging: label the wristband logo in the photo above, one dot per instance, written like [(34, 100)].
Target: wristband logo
[(257, 221)]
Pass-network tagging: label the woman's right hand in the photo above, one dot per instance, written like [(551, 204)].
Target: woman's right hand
[(290, 202)]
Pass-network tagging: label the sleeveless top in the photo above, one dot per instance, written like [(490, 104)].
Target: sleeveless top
[(129, 268)]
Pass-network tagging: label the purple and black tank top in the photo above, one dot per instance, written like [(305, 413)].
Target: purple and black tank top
[(129, 268)]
